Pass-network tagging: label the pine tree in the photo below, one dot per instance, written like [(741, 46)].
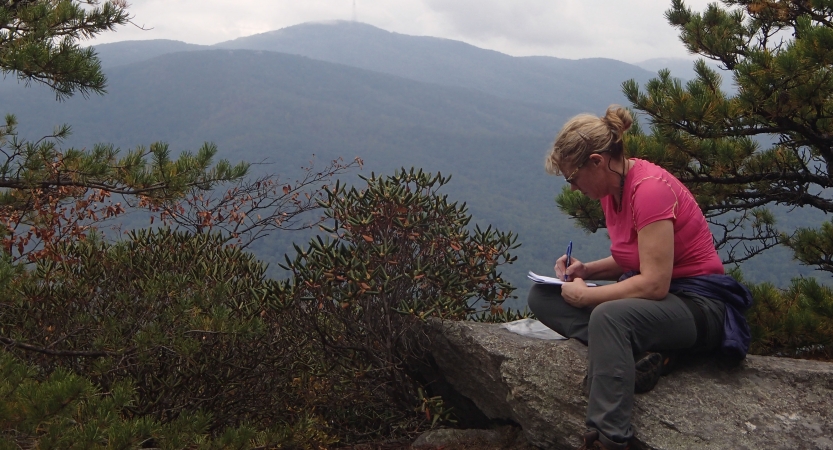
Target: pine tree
[(768, 144), (48, 193), (780, 55), (39, 41)]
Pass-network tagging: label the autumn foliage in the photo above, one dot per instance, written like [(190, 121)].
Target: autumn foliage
[(398, 253)]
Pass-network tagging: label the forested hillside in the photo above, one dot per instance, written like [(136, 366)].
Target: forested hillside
[(484, 117), (547, 80), (121, 53)]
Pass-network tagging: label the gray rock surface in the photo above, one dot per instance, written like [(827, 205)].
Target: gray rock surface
[(766, 403), (502, 438)]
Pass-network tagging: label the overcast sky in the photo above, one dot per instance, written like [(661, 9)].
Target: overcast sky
[(631, 31)]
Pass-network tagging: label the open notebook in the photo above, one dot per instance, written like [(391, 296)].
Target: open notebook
[(548, 280)]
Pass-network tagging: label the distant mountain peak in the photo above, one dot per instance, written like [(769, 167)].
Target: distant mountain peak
[(334, 22), (334, 25)]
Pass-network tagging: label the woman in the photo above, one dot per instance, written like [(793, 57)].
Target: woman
[(672, 293)]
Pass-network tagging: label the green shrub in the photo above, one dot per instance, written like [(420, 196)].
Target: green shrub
[(190, 322), (399, 253), (67, 411), (191, 329), (796, 322), (64, 410)]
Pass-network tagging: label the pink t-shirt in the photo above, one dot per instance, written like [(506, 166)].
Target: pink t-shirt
[(652, 194)]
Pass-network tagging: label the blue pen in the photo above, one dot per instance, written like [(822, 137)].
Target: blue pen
[(569, 254)]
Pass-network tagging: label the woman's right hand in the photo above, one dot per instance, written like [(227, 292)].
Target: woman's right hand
[(577, 268)]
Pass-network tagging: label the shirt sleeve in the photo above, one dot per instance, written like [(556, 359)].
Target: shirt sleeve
[(653, 199)]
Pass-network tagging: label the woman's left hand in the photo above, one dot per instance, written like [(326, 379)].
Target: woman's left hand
[(576, 293)]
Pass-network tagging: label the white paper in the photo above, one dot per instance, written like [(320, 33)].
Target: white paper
[(533, 329), (548, 280)]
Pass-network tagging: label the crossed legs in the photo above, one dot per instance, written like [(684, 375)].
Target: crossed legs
[(614, 332)]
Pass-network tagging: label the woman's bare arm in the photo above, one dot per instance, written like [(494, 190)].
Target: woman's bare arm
[(656, 263)]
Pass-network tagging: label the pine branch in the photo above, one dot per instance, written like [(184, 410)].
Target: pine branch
[(47, 351)]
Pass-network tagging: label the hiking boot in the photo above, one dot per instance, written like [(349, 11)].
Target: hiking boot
[(649, 367), (590, 439), (592, 442), (648, 371), (606, 444)]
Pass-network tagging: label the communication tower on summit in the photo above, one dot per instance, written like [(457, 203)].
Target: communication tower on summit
[(354, 11)]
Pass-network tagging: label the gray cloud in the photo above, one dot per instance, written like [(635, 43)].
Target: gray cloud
[(630, 31), (537, 22)]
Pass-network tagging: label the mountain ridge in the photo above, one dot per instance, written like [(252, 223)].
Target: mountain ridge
[(547, 80)]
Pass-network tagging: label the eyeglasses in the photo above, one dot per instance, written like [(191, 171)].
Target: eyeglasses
[(572, 176)]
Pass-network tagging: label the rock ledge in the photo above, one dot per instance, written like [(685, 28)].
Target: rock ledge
[(772, 403)]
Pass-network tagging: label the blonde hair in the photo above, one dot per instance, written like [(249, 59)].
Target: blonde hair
[(586, 134)]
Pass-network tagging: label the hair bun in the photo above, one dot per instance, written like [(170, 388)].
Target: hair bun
[(618, 120)]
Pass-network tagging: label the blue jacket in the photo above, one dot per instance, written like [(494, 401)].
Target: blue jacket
[(736, 297), (738, 300)]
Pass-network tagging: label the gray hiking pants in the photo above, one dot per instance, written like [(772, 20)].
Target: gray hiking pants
[(614, 332)]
